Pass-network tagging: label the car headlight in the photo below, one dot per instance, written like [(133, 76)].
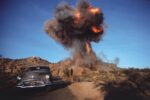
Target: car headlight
[(32, 76), (18, 77), (47, 76)]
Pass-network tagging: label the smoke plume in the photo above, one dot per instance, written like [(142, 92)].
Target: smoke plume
[(76, 27)]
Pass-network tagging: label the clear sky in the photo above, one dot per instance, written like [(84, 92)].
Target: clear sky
[(127, 31)]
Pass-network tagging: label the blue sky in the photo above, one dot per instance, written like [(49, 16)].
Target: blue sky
[(127, 31)]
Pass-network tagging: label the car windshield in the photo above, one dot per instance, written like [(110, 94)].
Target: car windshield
[(44, 69), (36, 73)]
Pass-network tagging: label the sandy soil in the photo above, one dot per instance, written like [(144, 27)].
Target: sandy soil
[(85, 91), (76, 91)]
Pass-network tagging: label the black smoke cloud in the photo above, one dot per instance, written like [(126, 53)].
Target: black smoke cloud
[(76, 27)]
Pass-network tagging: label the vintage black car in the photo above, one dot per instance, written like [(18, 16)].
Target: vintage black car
[(38, 76)]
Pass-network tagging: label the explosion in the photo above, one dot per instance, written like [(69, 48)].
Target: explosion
[(75, 28)]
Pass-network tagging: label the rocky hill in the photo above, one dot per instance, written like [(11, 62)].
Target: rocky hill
[(12, 66), (113, 82)]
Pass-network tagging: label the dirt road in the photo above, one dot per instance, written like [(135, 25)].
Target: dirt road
[(60, 90), (75, 91)]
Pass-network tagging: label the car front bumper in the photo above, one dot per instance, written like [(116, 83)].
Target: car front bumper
[(32, 84)]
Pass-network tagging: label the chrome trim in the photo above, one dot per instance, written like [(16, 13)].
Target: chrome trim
[(41, 84)]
